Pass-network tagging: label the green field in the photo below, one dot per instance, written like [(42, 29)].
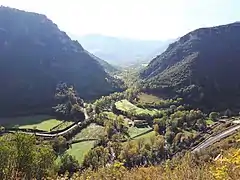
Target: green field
[(134, 131), (110, 115), (148, 98), (62, 125), (209, 122), (41, 122), (45, 125), (79, 150), (126, 106), (146, 137), (93, 131)]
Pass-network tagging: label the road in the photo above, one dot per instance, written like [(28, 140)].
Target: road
[(46, 135), (208, 142)]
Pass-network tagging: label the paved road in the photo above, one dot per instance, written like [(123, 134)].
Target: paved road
[(216, 138), (46, 135)]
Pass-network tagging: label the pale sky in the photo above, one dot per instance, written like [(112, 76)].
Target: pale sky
[(139, 19)]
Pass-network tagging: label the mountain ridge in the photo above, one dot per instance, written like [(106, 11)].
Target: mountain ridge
[(35, 56), (121, 51), (201, 66)]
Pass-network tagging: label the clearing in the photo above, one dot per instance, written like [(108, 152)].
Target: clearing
[(48, 125), (41, 122), (79, 150), (126, 106), (93, 131), (148, 98), (134, 131), (146, 137)]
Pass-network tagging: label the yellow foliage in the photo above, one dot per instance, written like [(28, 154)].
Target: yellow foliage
[(227, 167), (186, 168)]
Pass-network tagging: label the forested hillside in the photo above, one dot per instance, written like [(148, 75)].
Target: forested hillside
[(35, 56), (202, 67)]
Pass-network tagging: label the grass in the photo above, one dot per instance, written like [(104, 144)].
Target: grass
[(41, 122), (209, 122), (148, 98), (79, 150), (110, 115), (126, 106), (134, 131), (62, 125), (93, 131), (46, 125), (146, 137)]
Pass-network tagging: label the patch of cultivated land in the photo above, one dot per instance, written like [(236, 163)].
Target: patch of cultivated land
[(79, 150), (62, 125), (93, 131), (148, 98), (47, 125), (41, 122), (146, 137), (126, 106), (134, 131)]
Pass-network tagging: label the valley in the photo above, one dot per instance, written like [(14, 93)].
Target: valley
[(138, 123), (66, 113)]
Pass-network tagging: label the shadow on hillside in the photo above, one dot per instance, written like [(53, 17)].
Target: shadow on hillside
[(23, 120)]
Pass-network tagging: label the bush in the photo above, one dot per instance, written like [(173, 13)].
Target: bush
[(213, 116), (68, 164)]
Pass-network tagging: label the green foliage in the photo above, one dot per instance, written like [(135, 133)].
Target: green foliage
[(97, 157), (107, 103), (213, 116), (23, 157), (181, 70), (116, 127), (80, 149), (169, 136), (132, 110), (68, 164), (59, 145), (70, 105), (131, 154)]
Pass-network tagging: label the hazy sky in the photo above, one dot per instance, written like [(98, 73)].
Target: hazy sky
[(142, 19)]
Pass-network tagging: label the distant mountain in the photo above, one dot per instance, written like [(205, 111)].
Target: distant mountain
[(35, 56), (202, 66), (111, 69), (122, 51)]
